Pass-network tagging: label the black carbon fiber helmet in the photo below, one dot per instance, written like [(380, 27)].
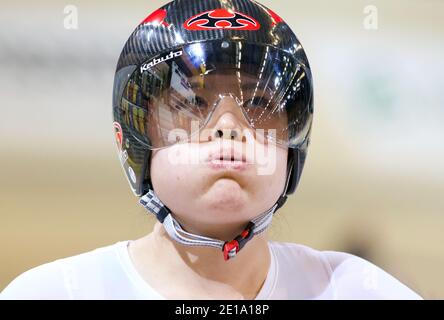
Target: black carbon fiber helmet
[(215, 24)]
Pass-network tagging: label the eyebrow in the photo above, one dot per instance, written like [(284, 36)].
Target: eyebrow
[(250, 85)]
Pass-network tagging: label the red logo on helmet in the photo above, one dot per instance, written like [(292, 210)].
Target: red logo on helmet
[(157, 18), (119, 134), (221, 19), (274, 17)]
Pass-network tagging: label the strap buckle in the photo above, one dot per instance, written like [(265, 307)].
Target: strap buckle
[(231, 248)]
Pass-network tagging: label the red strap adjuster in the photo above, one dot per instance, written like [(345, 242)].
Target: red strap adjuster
[(231, 248)]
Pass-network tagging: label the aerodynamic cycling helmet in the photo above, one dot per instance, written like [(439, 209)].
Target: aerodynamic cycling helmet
[(166, 79)]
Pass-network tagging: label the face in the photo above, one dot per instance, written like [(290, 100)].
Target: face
[(224, 177)]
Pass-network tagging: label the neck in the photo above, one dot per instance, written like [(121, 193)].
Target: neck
[(202, 271)]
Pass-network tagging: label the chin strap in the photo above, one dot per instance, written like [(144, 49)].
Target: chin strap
[(230, 248)]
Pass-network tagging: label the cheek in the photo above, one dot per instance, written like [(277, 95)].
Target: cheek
[(270, 185), (174, 183)]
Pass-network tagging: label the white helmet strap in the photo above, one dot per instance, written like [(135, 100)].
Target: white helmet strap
[(230, 248)]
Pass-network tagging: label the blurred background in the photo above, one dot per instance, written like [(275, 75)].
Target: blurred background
[(373, 184)]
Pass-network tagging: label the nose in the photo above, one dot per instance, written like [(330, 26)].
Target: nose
[(226, 127), (227, 121)]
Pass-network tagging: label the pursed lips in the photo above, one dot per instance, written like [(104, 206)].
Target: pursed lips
[(227, 159)]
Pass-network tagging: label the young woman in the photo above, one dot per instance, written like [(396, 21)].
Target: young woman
[(213, 106)]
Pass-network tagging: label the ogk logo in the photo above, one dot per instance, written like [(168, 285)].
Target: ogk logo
[(221, 19)]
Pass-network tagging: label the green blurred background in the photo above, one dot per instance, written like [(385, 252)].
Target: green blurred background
[(374, 179)]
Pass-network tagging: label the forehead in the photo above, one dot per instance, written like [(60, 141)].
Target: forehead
[(228, 82)]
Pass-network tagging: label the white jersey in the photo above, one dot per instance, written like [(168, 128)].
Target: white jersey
[(296, 272)]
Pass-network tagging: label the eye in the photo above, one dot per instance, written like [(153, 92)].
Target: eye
[(257, 102), (201, 102)]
